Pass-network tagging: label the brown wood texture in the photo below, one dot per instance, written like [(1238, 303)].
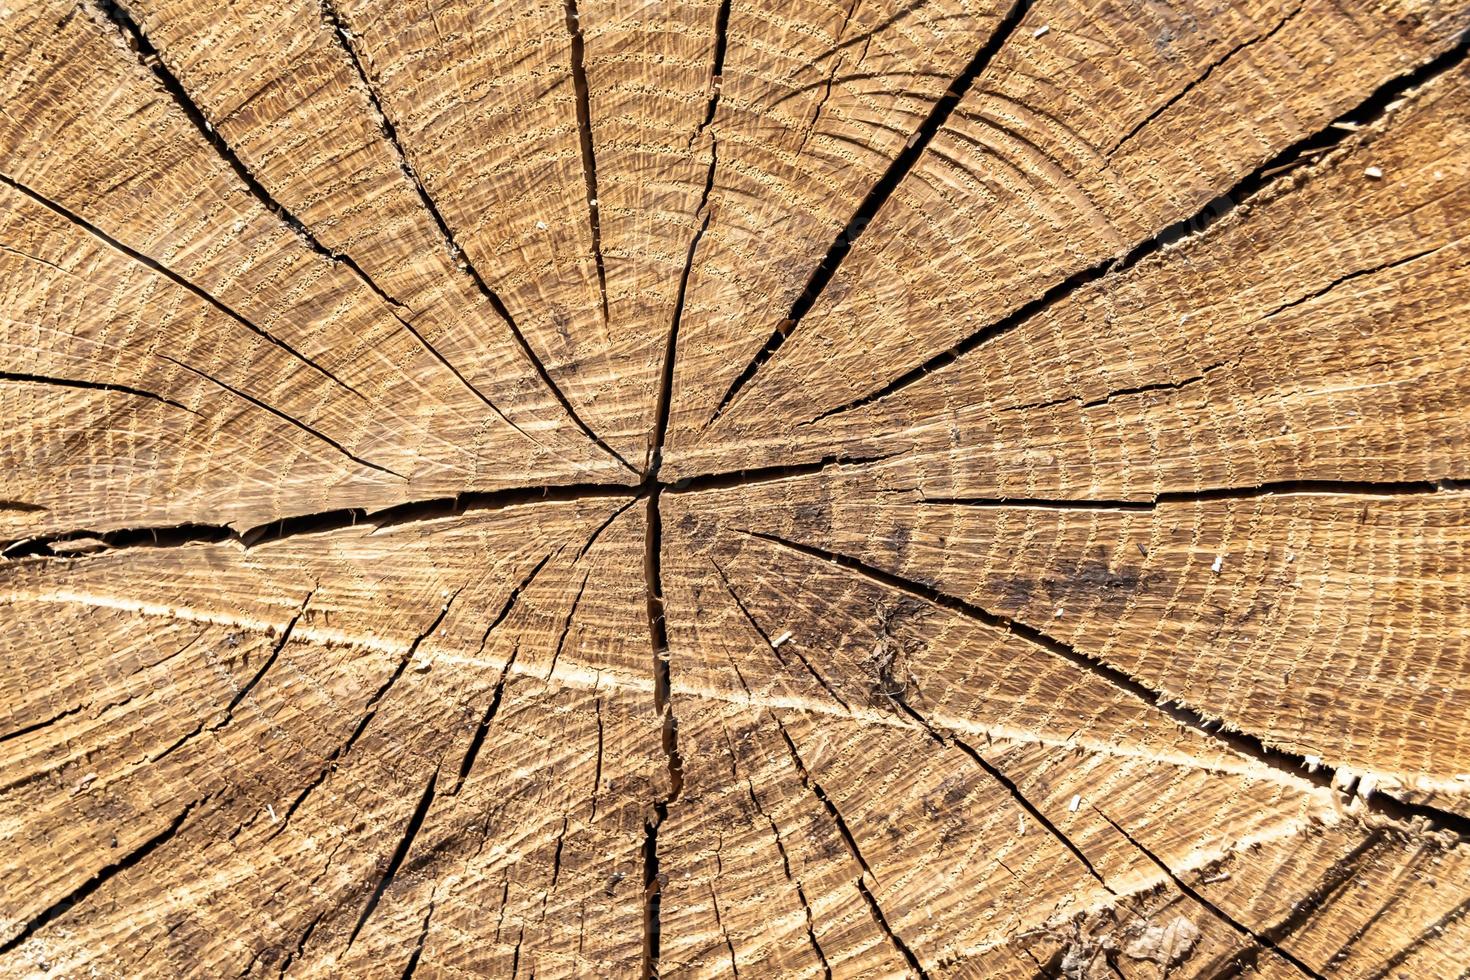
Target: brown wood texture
[(691, 488)]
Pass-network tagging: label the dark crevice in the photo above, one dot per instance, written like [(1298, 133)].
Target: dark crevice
[(1366, 488), (1264, 177), (1257, 938), (589, 153), (876, 911), (776, 650), (285, 417), (794, 881), (1196, 82), (300, 944), (1122, 392), (860, 881), (372, 706), (669, 733), (91, 386), (995, 773), (438, 508), (245, 688), (720, 924), (1324, 290), (370, 711), (38, 726), (1242, 743), (418, 949), (566, 626), (173, 277), (478, 739), (652, 893), (766, 474), (671, 348), (876, 197), (415, 823), (462, 258), (80, 894), (816, 790), (556, 860), (597, 766), (716, 73), (1322, 894), (149, 56)]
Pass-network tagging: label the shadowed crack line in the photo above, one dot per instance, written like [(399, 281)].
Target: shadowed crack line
[(412, 512), (80, 893), (775, 649), (478, 739), (1204, 77), (463, 261), (995, 773), (876, 197), (1242, 743), (1265, 177), (1322, 894), (716, 72), (415, 823), (38, 379), (860, 882), (1280, 488), (286, 417), (589, 152), (370, 711), (671, 348), (246, 688), (150, 57), (1256, 938), (173, 277)]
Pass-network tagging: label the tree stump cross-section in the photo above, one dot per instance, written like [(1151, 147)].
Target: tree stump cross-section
[(859, 488)]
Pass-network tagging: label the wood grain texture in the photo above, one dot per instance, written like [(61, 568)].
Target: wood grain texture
[(854, 489)]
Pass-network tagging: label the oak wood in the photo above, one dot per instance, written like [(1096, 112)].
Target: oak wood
[(700, 487)]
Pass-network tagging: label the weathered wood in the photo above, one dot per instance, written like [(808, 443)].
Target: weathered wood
[(692, 488)]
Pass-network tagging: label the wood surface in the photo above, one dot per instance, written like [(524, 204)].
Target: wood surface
[(693, 488)]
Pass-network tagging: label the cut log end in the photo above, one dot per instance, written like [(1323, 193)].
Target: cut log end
[(867, 489)]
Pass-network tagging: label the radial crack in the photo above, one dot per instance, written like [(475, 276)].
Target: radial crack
[(38, 379), (775, 649), (589, 153), (1279, 488), (860, 881), (1196, 82), (716, 72), (1260, 939), (415, 823), (178, 280), (151, 58), (410, 512), (1324, 892), (1242, 743), (478, 739), (79, 894), (292, 420), (247, 687), (464, 262), (876, 197), (1265, 177)]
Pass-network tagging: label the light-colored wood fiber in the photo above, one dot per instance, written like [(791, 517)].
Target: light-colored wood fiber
[(698, 488)]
